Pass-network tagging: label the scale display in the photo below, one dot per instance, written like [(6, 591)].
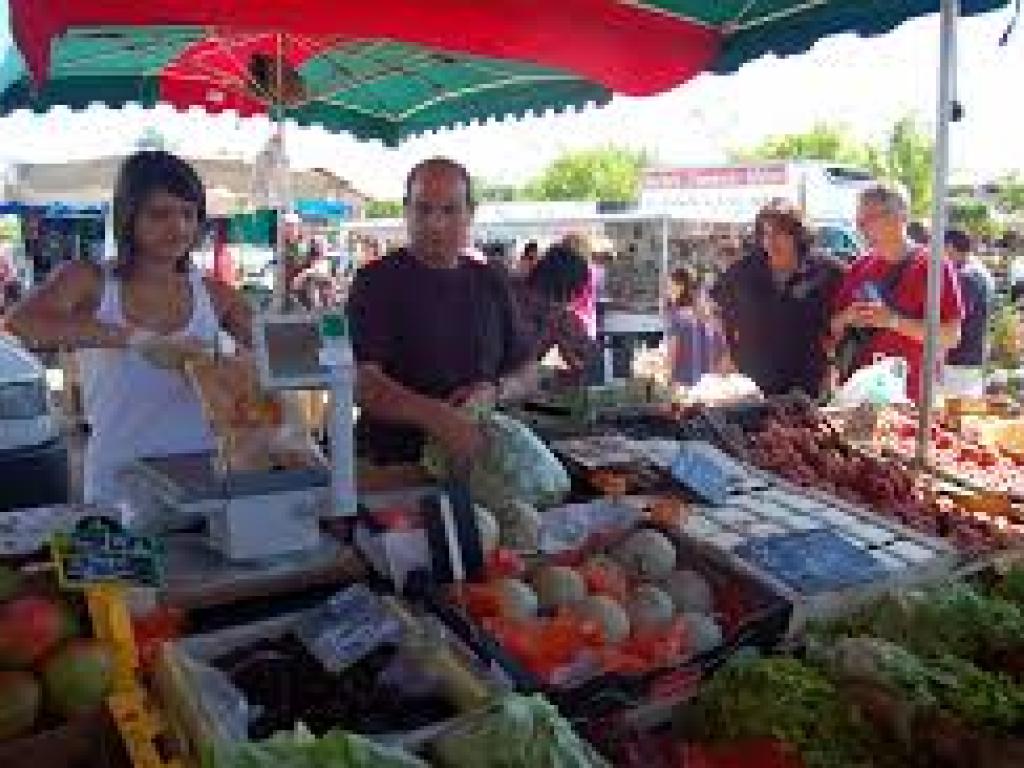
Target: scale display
[(288, 351)]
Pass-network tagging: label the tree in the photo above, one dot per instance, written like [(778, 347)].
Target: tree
[(384, 209), (908, 157), (1011, 193), (10, 229), (489, 192), (822, 142), (973, 216), (608, 173)]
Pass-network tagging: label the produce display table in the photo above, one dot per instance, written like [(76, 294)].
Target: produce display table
[(198, 578), (809, 494)]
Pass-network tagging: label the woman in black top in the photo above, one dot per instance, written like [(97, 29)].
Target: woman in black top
[(774, 305)]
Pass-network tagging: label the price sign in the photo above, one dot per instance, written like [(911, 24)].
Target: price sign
[(700, 473), (101, 551), (813, 562), (347, 628)]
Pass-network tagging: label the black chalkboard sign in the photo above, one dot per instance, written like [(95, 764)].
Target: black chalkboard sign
[(100, 551)]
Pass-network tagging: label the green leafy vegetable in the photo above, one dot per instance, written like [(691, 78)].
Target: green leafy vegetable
[(783, 699), (979, 698), (516, 732), (1011, 588), (300, 749), (515, 465), (953, 620), (983, 699)]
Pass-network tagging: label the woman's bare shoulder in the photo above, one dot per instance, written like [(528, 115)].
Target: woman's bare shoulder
[(77, 273), (75, 281)]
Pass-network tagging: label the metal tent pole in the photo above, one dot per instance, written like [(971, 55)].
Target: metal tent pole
[(109, 242), (281, 273), (663, 281), (280, 171), (949, 12)]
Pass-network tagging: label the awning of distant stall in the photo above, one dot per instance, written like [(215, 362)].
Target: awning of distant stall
[(55, 210)]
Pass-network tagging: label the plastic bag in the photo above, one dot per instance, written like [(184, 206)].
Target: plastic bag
[(255, 430), (884, 382), (717, 389), (568, 528), (223, 702), (514, 465)]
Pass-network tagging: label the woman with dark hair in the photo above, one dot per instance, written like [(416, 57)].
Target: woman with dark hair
[(528, 258), (774, 304), (695, 342), (133, 321), (545, 299)]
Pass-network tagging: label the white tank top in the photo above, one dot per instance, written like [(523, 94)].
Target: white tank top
[(135, 409)]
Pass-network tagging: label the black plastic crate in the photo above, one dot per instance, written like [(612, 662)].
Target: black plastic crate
[(760, 623)]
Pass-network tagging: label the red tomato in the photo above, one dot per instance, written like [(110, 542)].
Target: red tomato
[(503, 564), (479, 600), (756, 753), (155, 628)]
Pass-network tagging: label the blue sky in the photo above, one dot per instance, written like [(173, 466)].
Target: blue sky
[(864, 84)]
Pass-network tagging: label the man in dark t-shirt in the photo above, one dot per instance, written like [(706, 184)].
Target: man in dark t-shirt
[(964, 373), (433, 330)]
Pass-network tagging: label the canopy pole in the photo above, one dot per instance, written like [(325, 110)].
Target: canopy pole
[(662, 300), (281, 262), (949, 13), (280, 172), (109, 241)]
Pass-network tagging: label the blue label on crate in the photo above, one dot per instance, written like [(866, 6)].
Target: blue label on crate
[(100, 551), (812, 562), (701, 474)]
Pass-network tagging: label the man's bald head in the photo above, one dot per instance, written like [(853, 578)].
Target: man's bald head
[(438, 211), (441, 165)]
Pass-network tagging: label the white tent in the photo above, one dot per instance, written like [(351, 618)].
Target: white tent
[(233, 185)]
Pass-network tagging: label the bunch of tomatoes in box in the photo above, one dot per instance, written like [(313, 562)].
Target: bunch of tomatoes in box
[(980, 466), (800, 445)]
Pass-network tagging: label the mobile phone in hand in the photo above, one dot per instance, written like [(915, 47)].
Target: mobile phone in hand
[(869, 292)]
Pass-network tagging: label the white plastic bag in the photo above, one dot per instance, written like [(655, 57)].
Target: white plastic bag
[(516, 465), (255, 430), (884, 382)]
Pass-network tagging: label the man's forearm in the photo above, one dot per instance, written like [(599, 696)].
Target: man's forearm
[(917, 330), (519, 384), (385, 399)]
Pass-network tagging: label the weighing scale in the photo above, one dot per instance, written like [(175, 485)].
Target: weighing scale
[(249, 515)]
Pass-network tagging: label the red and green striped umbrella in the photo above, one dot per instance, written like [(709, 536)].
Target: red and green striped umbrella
[(393, 68)]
